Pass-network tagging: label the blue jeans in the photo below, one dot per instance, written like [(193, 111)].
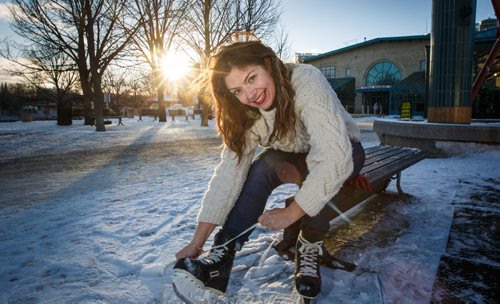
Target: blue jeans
[(270, 169)]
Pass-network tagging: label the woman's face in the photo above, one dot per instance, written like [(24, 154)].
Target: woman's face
[(253, 85)]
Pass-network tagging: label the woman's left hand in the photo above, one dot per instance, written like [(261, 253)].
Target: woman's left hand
[(189, 251), (280, 218)]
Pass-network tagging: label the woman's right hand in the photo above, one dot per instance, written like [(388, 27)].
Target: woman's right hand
[(189, 251), (194, 248)]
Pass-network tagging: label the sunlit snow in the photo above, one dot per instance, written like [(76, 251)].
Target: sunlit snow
[(94, 217)]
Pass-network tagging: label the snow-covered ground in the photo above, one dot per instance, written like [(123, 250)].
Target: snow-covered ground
[(89, 217)]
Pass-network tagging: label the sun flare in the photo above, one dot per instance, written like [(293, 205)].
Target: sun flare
[(175, 66)]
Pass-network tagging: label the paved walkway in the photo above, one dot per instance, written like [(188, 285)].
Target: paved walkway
[(468, 271)]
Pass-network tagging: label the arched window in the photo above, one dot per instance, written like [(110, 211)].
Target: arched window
[(383, 73)]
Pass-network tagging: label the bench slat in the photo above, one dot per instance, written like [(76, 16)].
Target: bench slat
[(380, 152), (377, 150), (388, 154), (392, 168), (382, 163), (388, 159)]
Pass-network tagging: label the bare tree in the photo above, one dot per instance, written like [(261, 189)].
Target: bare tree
[(257, 16), (53, 72), (160, 24), (107, 34), (139, 90), (212, 22), (117, 86), (13, 95), (60, 70), (281, 44), (90, 32)]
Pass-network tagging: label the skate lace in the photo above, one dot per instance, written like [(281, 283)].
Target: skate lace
[(216, 254), (309, 253)]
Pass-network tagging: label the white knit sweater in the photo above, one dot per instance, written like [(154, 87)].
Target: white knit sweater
[(323, 129)]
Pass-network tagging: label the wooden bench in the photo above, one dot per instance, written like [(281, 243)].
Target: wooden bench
[(382, 164)]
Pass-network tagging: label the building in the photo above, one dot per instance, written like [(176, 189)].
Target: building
[(391, 72), (300, 57), (487, 24), (364, 74)]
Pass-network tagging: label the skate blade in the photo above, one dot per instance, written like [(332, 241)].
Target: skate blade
[(337, 264), (304, 300), (334, 263), (191, 290)]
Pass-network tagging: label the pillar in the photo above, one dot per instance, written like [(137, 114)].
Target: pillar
[(450, 79)]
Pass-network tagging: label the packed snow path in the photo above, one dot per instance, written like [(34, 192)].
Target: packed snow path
[(77, 226)]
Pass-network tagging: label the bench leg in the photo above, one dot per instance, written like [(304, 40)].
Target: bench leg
[(398, 183)]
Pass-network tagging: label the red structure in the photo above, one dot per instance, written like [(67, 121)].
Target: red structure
[(491, 56)]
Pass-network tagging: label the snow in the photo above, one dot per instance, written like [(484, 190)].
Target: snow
[(96, 217), (21, 139), (415, 120)]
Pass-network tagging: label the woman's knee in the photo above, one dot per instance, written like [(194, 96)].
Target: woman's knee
[(278, 165), (358, 157)]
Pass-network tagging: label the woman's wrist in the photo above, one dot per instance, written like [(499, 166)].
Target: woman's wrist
[(295, 210), (203, 231), (196, 246)]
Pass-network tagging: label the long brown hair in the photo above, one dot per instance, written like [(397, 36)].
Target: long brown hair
[(234, 119)]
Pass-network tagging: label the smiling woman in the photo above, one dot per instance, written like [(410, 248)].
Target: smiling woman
[(175, 66)]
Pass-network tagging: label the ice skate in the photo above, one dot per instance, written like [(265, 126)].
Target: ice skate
[(307, 273), (197, 280), (287, 252)]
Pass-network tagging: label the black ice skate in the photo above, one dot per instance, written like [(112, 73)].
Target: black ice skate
[(287, 252), (209, 274), (307, 274), (286, 247)]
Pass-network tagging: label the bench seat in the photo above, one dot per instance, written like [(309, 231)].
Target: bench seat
[(382, 164)]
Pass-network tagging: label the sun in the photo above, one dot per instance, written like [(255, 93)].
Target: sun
[(175, 66)]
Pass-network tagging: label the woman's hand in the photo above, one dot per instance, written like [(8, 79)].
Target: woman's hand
[(194, 248), (189, 251), (280, 218)]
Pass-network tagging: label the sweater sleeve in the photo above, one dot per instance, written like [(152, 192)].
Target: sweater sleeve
[(226, 184), (330, 156)]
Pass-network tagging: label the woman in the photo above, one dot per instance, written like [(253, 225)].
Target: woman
[(292, 111)]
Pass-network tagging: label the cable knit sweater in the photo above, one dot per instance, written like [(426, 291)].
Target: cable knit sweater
[(323, 129)]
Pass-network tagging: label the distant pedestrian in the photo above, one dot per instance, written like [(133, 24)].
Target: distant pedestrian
[(188, 111), (120, 122), (375, 108)]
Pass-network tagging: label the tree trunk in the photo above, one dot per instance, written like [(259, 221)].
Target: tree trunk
[(87, 105), (87, 111), (205, 106), (98, 105), (205, 109), (162, 115), (64, 113), (87, 93)]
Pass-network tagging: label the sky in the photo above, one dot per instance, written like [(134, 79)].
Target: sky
[(319, 26), (326, 25)]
